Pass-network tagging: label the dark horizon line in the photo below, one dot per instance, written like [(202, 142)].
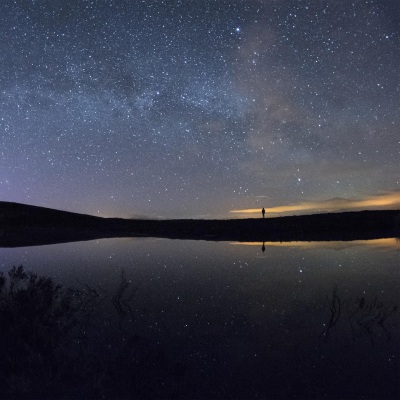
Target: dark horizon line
[(27, 225), (11, 205)]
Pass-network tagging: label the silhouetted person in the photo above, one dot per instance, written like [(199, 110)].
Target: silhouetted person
[(263, 212), (263, 247)]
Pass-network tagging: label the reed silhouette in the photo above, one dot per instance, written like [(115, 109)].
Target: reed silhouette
[(57, 343), (367, 318), (334, 308)]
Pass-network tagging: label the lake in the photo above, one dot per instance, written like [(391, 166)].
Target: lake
[(161, 318)]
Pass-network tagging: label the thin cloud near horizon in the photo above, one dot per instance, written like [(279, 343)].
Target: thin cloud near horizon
[(388, 201)]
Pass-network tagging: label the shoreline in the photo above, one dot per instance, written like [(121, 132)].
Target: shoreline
[(26, 225)]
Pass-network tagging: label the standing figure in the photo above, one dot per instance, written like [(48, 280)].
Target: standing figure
[(263, 212)]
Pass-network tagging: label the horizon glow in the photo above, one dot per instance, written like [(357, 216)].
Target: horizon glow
[(387, 201)]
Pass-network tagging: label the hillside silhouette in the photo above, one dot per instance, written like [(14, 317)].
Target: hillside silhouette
[(27, 225)]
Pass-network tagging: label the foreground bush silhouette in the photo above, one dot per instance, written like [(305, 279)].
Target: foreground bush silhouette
[(41, 332), (57, 342)]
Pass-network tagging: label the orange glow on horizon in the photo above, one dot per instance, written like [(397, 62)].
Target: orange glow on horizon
[(391, 200), (390, 242)]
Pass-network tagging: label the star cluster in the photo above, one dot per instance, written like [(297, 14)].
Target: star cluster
[(193, 108)]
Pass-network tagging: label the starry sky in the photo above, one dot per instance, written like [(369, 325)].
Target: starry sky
[(204, 109)]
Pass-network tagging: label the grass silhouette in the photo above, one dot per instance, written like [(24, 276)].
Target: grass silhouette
[(52, 345)]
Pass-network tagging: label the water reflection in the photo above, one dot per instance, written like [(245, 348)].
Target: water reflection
[(382, 243), (370, 318), (182, 319)]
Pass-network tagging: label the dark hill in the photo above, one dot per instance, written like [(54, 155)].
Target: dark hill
[(26, 225)]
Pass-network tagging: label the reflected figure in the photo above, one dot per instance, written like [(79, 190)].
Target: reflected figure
[(263, 247), (263, 212)]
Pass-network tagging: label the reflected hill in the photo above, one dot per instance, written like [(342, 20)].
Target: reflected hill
[(27, 225)]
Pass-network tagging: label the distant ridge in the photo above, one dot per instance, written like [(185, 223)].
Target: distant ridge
[(28, 225)]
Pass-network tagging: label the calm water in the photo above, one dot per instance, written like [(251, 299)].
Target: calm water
[(193, 319)]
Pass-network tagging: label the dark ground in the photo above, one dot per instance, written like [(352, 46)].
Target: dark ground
[(26, 225)]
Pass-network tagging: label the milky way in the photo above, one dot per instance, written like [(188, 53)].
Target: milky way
[(195, 108)]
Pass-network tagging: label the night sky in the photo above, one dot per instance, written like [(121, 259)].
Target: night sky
[(200, 108)]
